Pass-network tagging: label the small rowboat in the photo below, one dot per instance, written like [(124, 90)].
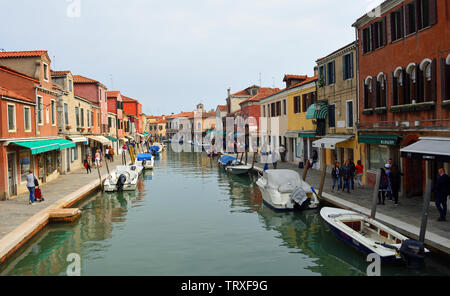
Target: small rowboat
[(370, 236)]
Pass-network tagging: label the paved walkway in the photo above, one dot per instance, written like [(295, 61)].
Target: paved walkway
[(16, 211), (408, 211)]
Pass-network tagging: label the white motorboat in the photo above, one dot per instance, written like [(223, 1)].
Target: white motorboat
[(285, 190), (370, 236), (123, 178), (227, 160), (238, 169), (145, 160), (161, 146)]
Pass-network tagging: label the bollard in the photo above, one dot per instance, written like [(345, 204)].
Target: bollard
[(375, 195)]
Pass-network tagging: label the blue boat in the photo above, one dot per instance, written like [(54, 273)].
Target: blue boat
[(227, 160), (154, 150)]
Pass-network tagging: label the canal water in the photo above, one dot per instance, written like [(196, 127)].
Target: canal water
[(191, 218)]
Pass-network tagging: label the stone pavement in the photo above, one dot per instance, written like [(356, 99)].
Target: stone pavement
[(408, 211), (16, 211)]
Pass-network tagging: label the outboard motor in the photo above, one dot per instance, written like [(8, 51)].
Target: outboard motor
[(413, 253), (121, 182), (144, 161), (133, 168)]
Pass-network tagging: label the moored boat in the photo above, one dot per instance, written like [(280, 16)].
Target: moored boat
[(123, 178), (370, 236), (227, 160), (284, 190), (238, 169), (146, 160)]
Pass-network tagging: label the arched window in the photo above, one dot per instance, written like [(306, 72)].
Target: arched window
[(410, 83), (368, 90), (397, 86), (426, 81), (381, 88), (445, 74)]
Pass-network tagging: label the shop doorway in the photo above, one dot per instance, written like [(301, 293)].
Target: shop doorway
[(68, 159), (12, 173)]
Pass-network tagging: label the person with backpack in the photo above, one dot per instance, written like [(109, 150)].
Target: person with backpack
[(346, 176), (32, 182), (336, 175), (87, 166), (384, 183)]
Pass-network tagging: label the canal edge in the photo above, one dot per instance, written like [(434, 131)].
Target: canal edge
[(18, 237)]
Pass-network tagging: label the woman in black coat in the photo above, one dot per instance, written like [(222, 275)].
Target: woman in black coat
[(395, 177)]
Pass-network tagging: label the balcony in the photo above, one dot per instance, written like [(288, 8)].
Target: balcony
[(404, 125)]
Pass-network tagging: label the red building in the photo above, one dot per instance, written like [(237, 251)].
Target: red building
[(115, 105), (404, 74), (134, 108), (28, 132)]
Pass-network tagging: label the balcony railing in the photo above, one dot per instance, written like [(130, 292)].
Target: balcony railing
[(440, 124)]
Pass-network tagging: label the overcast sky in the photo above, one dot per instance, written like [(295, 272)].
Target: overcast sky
[(171, 55)]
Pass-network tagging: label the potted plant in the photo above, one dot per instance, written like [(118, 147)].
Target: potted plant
[(68, 127)]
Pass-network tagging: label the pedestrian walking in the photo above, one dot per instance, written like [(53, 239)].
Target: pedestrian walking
[(32, 182), (107, 153), (111, 154), (442, 190), (87, 166), (352, 173), (315, 157), (395, 178), (97, 159), (389, 189), (384, 183), (275, 156), (346, 176), (336, 175), (359, 173)]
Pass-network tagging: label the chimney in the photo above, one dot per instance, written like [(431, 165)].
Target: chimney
[(229, 92), (316, 71)]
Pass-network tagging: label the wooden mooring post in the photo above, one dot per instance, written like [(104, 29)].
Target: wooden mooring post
[(323, 165), (305, 170), (426, 202), (375, 194)]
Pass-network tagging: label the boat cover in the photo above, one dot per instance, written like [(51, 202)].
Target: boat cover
[(144, 156), (154, 148), (299, 195), (226, 159), (283, 180)]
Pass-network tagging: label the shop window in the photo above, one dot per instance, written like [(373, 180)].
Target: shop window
[(378, 156), (25, 164)]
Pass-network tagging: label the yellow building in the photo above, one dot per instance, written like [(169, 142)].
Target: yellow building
[(301, 132)]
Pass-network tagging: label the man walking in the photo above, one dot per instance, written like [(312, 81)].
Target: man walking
[(442, 191)]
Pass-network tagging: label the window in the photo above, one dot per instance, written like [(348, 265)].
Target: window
[(70, 85), (74, 153), (297, 105), (349, 110), (27, 118), (332, 116), (284, 107), (25, 164), (347, 64), (264, 111), (82, 117), (410, 18), (427, 82), (381, 91), (411, 84), (366, 41), (40, 110), (77, 116), (66, 113), (368, 87), (98, 119), (322, 75), (378, 34), (99, 94), (11, 117), (445, 78), (92, 118), (331, 77), (278, 108), (109, 122), (397, 25), (378, 156), (272, 110), (160, 127), (397, 86), (151, 127), (423, 14), (305, 102), (53, 112), (45, 68)]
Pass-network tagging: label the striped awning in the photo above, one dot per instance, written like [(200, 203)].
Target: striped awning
[(41, 146), (317, 111), (100, 139), (78, 139)]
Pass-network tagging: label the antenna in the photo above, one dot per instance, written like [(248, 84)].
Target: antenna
[(260, 79), (273, 82), (112, 81), (54, 62)]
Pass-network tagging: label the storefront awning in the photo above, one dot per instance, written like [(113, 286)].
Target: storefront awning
[(129, 137), (391, 140), (307, 135), (124, 139), (330, 142), (317, 111), (100, 139), (428, 149), (112, 139), (292, 134), (41, 146), (78, 139)]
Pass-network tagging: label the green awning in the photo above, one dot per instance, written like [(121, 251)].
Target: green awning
[(304, 135), (391, 140), (111, 138), (42, 146), (320, 113)]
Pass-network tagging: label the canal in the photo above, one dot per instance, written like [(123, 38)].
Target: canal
[(191, 218)]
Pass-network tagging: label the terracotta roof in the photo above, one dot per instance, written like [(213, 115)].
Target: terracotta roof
[(290, 76), (308, 80), (12, 94), (222, 107), (12, 71), (82, 79), (127, 99), (60, 73), (112, 94), (22, 54), (263, 92)]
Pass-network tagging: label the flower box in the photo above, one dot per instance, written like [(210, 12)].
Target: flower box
[(413, 107), (446, 104), (368, 111), (380, 110), (68, 127)]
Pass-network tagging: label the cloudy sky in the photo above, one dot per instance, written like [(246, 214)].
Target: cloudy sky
[(171, 55)]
